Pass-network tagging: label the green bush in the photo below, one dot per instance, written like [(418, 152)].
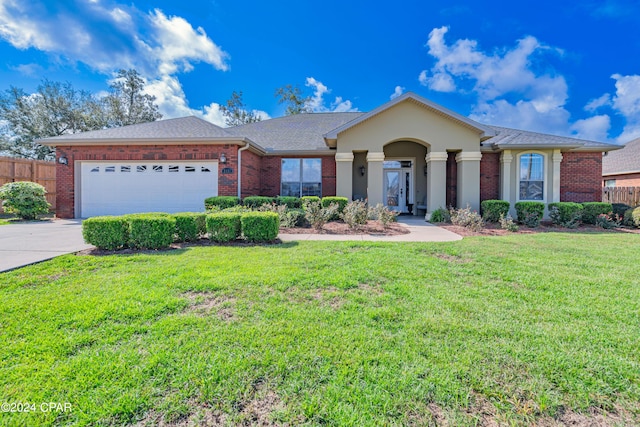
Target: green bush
[(635, 217), (221, 202), (305, 200), (566, 214), (492, 210), (506, 222), (289, 202), (236, 209), (148, 231), (627, 219), (255, 202), (316, 215), (440, 215), (25, 199), (295, 218), (619, 209), (608, 221), (354, 213), (529, 213), (190, 226), (591, 210), (106, 232), (260, 226), (385, 215), (224, 226), (340, 201)]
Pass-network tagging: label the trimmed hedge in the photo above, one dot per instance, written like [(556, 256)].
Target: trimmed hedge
[(340, 201), (106, 232), (148, 231), (224, 226), (289, 202), (222, 202), (190, 226), (309, 199), (492, 210), (619, 209), (568, 212), (591, 210), (257, 201), (529, 210), (260, 226)]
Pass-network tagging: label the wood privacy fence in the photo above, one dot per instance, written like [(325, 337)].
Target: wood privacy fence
[(44, 173), (627, 195)]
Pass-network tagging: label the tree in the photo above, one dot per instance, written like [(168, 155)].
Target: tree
[(235, 112), (127, 104), (292, 96)]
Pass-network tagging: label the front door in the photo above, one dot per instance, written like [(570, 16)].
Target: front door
[(397, 189)]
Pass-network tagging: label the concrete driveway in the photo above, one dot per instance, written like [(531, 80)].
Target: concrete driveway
[(29, 242)]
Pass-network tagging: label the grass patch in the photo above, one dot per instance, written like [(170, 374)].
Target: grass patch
[(516, 329)]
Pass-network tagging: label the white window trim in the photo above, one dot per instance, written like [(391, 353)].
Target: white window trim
[(545, 176)]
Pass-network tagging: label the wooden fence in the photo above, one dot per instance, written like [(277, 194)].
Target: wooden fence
[(627, 195), (44, 173)]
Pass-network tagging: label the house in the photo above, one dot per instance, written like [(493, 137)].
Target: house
[(622, 168), (411, 154)]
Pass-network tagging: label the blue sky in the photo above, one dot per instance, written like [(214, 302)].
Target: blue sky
[(547, 66)]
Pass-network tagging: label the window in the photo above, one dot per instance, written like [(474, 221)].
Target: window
[(301, 177), (110, 169), (204, 169), (610, 183), (125, 169), (531, 176), (173, 168), (141, 168), (96, 169), (157, 168), (189, 168)]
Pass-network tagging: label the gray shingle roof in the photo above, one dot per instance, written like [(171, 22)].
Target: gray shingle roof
[(625, 160), (295, 132), (515, 138)]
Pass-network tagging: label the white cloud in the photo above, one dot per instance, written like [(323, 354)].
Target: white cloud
[(399, 90), (593, 128), (626, 102), (317, 102), (594, 104)]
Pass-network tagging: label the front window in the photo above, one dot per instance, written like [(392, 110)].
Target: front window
[(301, 177), (532, 176), (610, 183)]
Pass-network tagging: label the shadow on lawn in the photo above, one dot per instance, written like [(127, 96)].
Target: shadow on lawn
[(181, 248)]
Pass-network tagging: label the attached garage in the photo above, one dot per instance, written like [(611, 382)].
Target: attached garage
[(116, 188)]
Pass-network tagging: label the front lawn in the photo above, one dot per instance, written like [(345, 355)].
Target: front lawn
[(517, 329)]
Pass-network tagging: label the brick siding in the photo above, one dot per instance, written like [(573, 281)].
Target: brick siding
[(251, 171), (490, 176), (626, 180), (581, 177)]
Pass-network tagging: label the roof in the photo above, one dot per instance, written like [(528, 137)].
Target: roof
[(623, 161), (507, 138)]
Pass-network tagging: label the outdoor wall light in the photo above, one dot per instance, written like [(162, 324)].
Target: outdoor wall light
[(426, 170), (223, 158), (362, 170), (63, 160)]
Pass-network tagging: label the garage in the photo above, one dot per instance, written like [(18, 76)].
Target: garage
[(116, 188)]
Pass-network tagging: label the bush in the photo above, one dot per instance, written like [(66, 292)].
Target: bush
[(340, 201), (308, 199), (289, 202), (384, 215), (566, 214), (627, 219), (529, 213), (354, 214), (148, 231), (634, 217), (493, 210), (224, 226), (255, 202), (295, 218), (440, 215), (190, 226), (106, 232), (506, 222), (260, 226), (316, 215), (619, 209), (221, 202), (236, 209), (467, 218), (25, 199), (591, 210), (608, 221)]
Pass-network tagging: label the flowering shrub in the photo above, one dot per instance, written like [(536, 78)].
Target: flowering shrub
[(467, 218), (355, 213), (317, 215), (608, 221), (507, 223), (384, 214)]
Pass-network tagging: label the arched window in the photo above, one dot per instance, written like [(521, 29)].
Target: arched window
[(531, 176)]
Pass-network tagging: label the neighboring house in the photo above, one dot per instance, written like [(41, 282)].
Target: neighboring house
[(410, 154), (622, 168)]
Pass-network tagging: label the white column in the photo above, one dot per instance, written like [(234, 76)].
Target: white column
[(557, 159), (374, 177), (505, 175), (344, 175), (469, 179), (436, 181)]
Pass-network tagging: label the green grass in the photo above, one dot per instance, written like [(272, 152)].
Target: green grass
[(4, 222), (337, 333)]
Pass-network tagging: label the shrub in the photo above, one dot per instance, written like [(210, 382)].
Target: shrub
[(467, 218), (354, 214), (295, 218), (149, 231), (25, 199), (635, 217), (506, 222), (493, 210), (316, 215), (440, 215), (106, 232), (308, 199), (566, 214), (260, 226), (280, 210), (190, 226), (289, 202), (591, 210), (255, 202), (384, 214), (340, 201), (236, 209), (619, 209), (224, 226), (529, 213), (627, 219), (221, 202), (608, 221)]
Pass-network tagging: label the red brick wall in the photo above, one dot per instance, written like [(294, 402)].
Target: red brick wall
[(490, 176), (452, 180), (328, 176), (251, 170), (271, 168), (227, 184), (626, 180), (581, 177)]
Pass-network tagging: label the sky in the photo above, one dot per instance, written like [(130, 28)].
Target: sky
[(566, 68)]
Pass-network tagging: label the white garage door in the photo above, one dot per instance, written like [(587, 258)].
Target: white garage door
[(116, 188)]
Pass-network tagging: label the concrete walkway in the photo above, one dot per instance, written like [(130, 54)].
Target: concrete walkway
[(30, 242), (419, 231)]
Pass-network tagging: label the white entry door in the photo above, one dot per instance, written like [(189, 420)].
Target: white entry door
[(116, 188), (397, 189)]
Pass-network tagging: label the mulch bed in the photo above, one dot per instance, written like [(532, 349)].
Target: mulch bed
[(491, 229), (339, 227)]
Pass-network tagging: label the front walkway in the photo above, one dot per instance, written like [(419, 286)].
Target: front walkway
[(419, 231)]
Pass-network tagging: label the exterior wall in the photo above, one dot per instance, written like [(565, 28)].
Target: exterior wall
[(624, 180), (490, 176), (581, 177), (251, 171), (66, 174), (328, 176), (452, 180), (270, 174), (359, 181)]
